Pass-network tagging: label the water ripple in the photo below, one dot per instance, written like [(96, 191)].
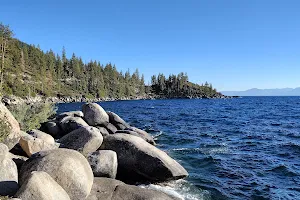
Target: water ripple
[(244, 148)]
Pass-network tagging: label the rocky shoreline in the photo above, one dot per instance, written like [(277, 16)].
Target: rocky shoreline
[(90, 154), (13, 100)]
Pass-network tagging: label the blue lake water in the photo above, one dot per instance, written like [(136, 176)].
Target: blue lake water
[(243, 148)]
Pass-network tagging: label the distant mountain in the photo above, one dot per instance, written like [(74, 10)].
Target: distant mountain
[(265, 92)]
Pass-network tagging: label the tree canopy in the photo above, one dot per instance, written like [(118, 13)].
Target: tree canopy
[(26, 70)]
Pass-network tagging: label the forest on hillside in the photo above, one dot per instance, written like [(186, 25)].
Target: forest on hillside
[(26, 70)]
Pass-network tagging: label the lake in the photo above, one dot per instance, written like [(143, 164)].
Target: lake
[(241, 148)]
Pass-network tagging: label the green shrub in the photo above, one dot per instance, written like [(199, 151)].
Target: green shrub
[(31, 116)]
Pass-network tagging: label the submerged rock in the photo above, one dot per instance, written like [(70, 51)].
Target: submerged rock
[(131, 192), (110, 189), (41, 186), (85, 140), (104, 163), (139, 161), (67, 167), (94, 114)]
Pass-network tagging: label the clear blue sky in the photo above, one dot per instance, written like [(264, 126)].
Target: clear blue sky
[(234, 44)]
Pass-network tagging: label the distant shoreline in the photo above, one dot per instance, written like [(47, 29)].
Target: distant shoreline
[(10, 100)]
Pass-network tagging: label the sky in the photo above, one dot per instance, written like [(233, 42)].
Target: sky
[(233, 44)]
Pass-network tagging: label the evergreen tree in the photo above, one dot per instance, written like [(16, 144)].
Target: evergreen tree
[(25, 70), (5, 38)]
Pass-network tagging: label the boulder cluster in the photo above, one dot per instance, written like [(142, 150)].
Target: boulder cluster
[(90, 154)]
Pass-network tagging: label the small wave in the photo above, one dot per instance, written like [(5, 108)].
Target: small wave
[(275, 124), (188, 150), (184, 114), (180, 189), (152, 107), (283, 170), (292, 146), (207, 151)]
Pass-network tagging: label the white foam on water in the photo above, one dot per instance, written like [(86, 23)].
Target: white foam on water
[(180, 189), (208, 151), (155, 137)]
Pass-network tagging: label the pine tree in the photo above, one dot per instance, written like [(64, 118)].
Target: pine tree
[(5, 37)]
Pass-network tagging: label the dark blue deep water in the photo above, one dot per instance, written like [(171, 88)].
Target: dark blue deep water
[(244, 148)]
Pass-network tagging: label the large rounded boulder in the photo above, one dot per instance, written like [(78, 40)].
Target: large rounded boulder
[(138, 132), (103, 188), (53, 128), (70, 123), (8, 173), (117, 121), (139, 161), (111, 129), (9, 128), (85, 140), (94, 114), (41, 186), (70, 113), (41, 135), (104, 163), (103, 130), (67, 167)]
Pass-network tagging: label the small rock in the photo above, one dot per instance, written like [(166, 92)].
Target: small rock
[(67, 167), (33, 145), (17, 149), (94, 114), (41, 186), (104, 163), (85, 140)]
